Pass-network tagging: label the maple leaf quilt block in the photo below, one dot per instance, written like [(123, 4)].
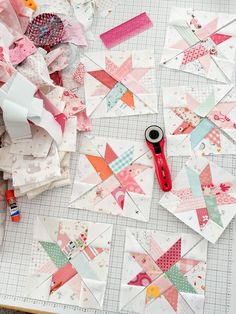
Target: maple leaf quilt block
[(197, 118), (203, 196), (69, 262), (163, 272), (120, 83), (201, 43), (114, 177)]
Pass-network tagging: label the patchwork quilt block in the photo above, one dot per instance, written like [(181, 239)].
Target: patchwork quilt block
[(70, 262), (114, 177), (120, 83), (163, 272), (203, 196), (200, 119), (202, 43)]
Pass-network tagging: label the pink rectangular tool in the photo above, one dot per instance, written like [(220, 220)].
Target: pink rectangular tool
[(126, 30)]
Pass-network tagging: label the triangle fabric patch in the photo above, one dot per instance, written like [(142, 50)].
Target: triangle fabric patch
[(110, 155), (219, 38), (169, 258), (103, 77), (100, 166), (171, 296)]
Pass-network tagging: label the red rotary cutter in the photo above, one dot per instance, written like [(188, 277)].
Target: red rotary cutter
[(155, 140)]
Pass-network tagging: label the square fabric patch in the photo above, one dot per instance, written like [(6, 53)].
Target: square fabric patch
[(203, 196), (69, 262), (201, 43), (114, 177), (200, 119), (120, 83), (163, 273)]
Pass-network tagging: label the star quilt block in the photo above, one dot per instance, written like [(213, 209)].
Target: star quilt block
[(203, 196), (200, 119), (223, 115), (163, 272), (201, 43), (114, 177), (69, 262), (120, 83)]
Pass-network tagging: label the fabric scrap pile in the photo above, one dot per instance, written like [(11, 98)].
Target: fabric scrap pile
[(40, 73)]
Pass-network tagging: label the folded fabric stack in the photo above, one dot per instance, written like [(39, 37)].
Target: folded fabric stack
[(40, 72)]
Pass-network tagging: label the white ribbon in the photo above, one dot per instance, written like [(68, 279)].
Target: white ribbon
[(19, 105)]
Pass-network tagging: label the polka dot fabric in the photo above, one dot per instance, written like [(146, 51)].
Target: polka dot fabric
[(180, 281), (214, 137), (55, 254), (168, 259)]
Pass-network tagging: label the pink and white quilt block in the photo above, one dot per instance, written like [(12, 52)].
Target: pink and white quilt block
[(201, 43), (115, 177), (163, 272), (120, 83), (200, 119), (203, 196), (223, 115), (69, 262)]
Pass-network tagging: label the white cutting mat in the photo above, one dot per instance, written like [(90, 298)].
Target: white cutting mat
[(15, 256)]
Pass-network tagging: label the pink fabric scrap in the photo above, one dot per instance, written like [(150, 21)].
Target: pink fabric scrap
[(2, 56), (6, 71), (56, 78), (79, 73), (18, 6), (48, 105), (126, 30), (10, 19), (67, 79), (73, 104), (76, 107), (21, 50), (73, 33), (83, 122), (56, 60), (23, 15)]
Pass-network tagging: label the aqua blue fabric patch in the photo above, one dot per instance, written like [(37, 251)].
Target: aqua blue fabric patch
[(187, 34), (115, 94), (123, 161), (197, 135), (81, 264), (206, 106), (194, 182), (213, 210)]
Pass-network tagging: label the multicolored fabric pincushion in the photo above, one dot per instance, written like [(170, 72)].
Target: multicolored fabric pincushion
[(46, 29)]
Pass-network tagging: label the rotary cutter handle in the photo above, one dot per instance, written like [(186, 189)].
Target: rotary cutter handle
[(155, 140)]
